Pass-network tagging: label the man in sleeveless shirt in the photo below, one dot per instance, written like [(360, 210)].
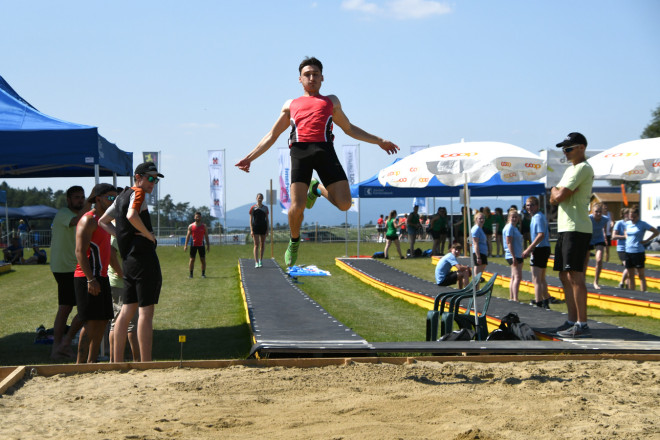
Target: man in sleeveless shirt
[(199, 234), (92, 286), (311, 118), (137, 247)]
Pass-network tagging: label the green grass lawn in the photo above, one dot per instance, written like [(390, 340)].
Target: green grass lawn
[(210, 312)]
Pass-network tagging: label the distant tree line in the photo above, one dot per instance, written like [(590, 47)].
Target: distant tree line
[(172, 214)]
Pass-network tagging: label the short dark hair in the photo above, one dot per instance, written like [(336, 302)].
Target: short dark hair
[(197, 212), (74, 189), (310, 61), (457, 246)]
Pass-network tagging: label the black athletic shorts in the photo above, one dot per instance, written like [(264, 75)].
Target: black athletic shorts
[(622, 256), (510, 261), (636, 260), (94, 307), (392, 237), (142, 279), (484, 258), (593, 246), (451, 278), (571, 251), (540, 257), (195, 249), (66, 291), (320, 156)]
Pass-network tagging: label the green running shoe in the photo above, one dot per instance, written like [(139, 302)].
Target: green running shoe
[(311, 196), (291, 254)]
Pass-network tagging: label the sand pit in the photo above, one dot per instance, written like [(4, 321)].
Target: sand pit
[(456, 400)]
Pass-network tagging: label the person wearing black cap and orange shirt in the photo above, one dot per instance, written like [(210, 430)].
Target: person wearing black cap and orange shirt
[(572, 195), (137, 247)]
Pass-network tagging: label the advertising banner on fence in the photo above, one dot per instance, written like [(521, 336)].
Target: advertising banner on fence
[(284, 160), (217, 183), (152, 156)]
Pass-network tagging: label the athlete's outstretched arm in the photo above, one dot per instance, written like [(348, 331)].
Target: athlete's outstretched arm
[(340, 118), (282, 123)]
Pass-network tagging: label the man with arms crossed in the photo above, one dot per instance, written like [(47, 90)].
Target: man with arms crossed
[(199, 234), (572, 195), (137, 247), (311, 117)]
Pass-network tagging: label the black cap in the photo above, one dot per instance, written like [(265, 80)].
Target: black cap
[(146, 168), (100, 189), (573, 139)]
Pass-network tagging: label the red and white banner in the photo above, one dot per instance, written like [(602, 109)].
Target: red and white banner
[(284, 160), (217, 183)]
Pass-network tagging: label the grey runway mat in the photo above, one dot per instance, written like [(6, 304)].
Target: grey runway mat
[(283, 317), (541, 320)]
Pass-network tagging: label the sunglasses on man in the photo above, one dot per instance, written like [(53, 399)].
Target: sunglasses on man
[(152, 179)]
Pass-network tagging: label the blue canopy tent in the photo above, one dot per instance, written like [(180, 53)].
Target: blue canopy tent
[(371, 188), (33, 144), (495, 186), (28, 212)]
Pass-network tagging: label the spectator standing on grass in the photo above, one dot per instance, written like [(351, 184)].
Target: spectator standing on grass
[(444, 276), (380, 227), (259, 228), (619, 234), (93, 295), (539, 252), (608, 232), (197, 230), (439, 229), (391, 236), (479, 245), (598, 239), (635, 256), (63, 264), (513, 248), (500, 221), (414, 228), (137, 246), (488, 229), (23, 232), (572, 195)]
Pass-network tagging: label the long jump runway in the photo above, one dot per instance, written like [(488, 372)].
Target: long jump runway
[(283, 319), (607, 297), (286, 322), (543, 321)]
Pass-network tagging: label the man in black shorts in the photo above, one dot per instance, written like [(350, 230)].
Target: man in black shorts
[(311, 118), (137, 247), (197, 230), (572, 195), (63, 264)]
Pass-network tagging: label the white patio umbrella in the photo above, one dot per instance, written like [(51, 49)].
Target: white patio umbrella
[(634, 160), (463, 163)]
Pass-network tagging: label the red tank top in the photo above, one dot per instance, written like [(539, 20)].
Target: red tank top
[(98, 253), (311, 119), (198, 233)]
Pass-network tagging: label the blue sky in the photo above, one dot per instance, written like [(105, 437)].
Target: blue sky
[(186, 77)]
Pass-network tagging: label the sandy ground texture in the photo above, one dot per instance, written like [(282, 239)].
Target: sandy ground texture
[(422, 400)]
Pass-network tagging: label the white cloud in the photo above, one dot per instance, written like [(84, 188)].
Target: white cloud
[(360, 5), (399, 9), (406, 9)]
